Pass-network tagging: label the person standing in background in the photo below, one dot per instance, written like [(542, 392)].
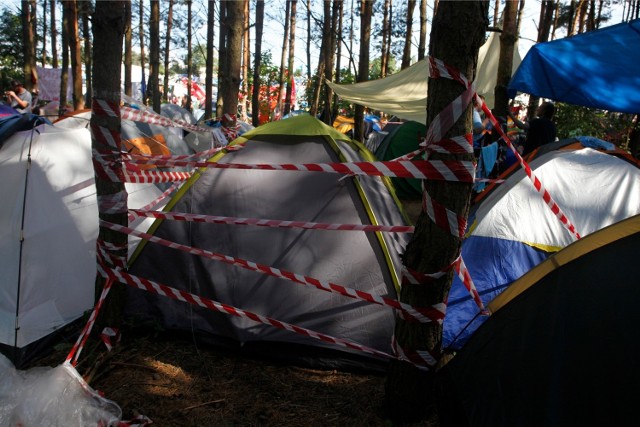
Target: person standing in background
[(19, 98), (540, 130)]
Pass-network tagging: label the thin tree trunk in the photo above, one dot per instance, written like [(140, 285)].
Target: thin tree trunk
[(154, 56), (223, 64), (292, 45), (228, 97), (257, 63), (142, 58), (246, 58), (422, 47), (366, 12), (406, 52), (74, 51), (44, 33), (108, 31), (54, 35), (387, 60), (385, 46), (28, 17), (189, 54), (308, 41), (322, 62), (337, 77), (208, 107), (86, 32), (508, 39), (64, 75), (496, 12), (547, 9), (283, 56), (328, 66), (128, 31), (167, 48), (457, 33)]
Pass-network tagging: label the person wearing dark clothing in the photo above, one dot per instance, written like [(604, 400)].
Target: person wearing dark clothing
[(540, 130)]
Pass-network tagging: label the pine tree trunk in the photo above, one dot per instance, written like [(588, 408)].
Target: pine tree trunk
[(167, 49), (128, 32), (154, 56), (228, 93), (208, 107), (457, 33), (406, 52), (363, 63), (74, 51), (28, 16), (54, 35), (283, 56), (246, 58), (86, 33), (64, 75), (508, 39), (290, 67), (108, 32), (255, 95), (422, 46), (189, 54)]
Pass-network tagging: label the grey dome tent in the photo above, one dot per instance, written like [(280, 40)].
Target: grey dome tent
[(368, 262)]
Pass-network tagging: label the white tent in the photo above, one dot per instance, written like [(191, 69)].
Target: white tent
[(404, 94), (48, 231)]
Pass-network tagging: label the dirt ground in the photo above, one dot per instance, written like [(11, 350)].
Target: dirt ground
[(178, 383)]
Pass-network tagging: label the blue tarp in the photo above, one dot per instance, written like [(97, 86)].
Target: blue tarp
[(597, 69)]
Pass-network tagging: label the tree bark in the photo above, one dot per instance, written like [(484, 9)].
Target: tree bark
[(422, 46), (189, 54), (108, 31), (167, 49), (44, 33), (86, 12), (228, 93), (406, 52), (128, 89), (385, 46), (366, 11), (283, 56), (153, 92), (508, 39), (257, 63), (64, 75), (54, 35), (458, 31), (74, 51), (28, 16), (246, 58), (292, 45), (208, 107), (142, 58)]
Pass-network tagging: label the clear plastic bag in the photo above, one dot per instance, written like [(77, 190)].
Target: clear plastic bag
[(45, 396)]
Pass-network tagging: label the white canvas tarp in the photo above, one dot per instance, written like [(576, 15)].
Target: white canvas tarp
[(404, 94)]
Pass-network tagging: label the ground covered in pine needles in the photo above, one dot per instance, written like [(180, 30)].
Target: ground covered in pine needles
[(178, 383)]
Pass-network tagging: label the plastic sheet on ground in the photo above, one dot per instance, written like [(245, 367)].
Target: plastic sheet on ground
[(45, 396)]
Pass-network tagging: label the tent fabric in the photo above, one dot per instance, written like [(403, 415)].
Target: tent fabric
[(596, 69), (562, 349), (49, 198), (402, 138), (364, 261), (512, 229), (404, 94)]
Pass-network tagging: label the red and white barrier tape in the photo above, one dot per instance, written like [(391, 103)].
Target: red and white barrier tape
[(448, 170), (420, 314), (176, 294), (465, 278), (151, 177), (443, 217), (73, 355), (537, 184), (128, 113), (213, 219), (421, 359), (110, 337)]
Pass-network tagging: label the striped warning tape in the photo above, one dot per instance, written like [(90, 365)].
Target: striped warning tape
[(176, 294), (420, 314), (537, 184), (128, 113), (449, 170), (213, 219)]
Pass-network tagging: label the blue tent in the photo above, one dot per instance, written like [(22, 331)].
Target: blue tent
[(597, 69)]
